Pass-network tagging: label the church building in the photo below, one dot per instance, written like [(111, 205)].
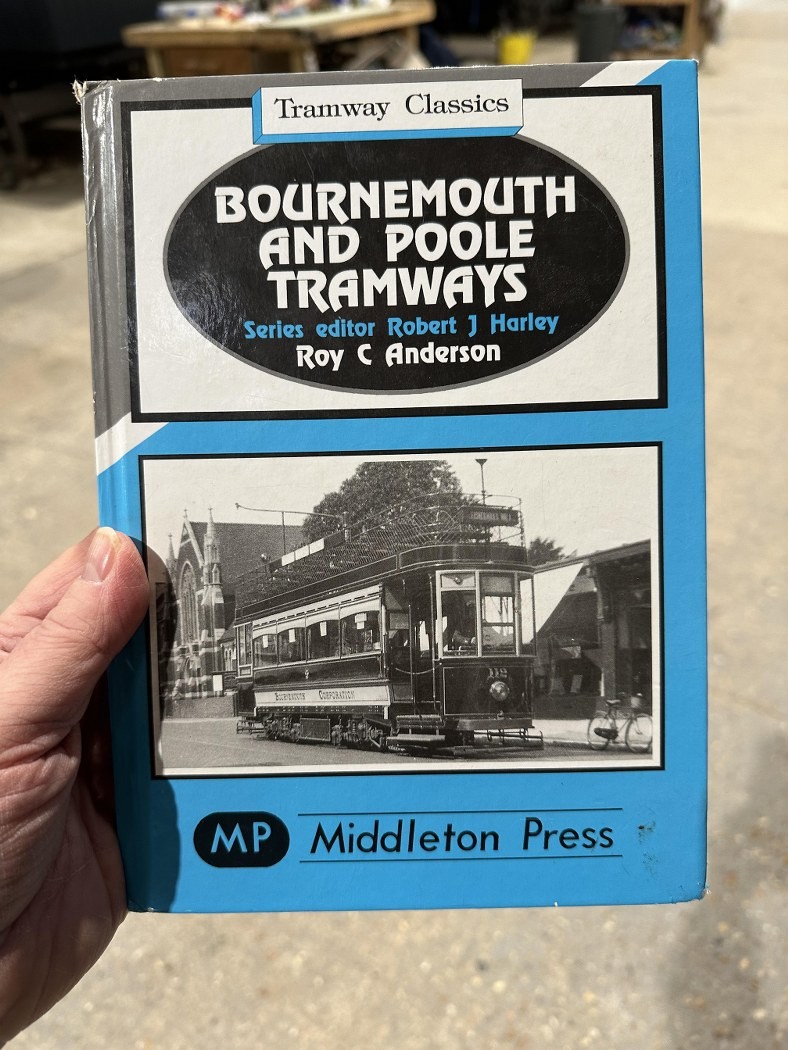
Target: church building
[(196, 606)]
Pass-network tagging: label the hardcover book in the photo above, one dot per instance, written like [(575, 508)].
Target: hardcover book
[(399, 388)]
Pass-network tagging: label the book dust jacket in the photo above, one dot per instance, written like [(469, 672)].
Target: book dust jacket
[(399, 389)]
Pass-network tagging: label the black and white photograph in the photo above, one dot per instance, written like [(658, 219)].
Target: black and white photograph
[(397, 612)]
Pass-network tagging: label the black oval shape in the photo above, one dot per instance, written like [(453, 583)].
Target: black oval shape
[(241, 840), (219, 282)]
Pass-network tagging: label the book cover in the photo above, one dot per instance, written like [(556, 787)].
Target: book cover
[(399, 388)]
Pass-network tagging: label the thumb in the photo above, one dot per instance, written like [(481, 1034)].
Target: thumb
[(49, 677)]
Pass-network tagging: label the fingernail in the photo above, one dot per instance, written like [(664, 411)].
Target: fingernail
[(101, 555)]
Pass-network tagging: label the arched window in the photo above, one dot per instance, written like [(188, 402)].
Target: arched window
[(187, 602)]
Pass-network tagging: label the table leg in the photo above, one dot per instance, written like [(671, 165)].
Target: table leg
[(304, 60), (155, 62)]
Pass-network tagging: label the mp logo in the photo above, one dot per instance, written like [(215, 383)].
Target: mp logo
[(241, 840)]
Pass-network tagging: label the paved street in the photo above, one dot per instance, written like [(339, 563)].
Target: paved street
[(709, 975), (213, 742)]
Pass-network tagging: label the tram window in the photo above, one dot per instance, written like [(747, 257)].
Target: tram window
[(425, 639), (459, 622), (360, 632), (527, 615), (497, 613), (264, 649), (323, 638), (291, 644), (458, 581), (244, 645), (398, 630), (399, 621)]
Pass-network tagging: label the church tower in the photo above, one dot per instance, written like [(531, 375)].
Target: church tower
[(171, 561), (212, 610)]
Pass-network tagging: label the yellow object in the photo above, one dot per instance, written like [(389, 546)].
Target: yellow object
[(514, 49)]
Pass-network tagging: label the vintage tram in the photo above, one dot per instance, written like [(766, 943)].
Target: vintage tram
[(415, 634)]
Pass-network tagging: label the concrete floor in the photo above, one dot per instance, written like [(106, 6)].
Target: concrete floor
[(702, 975)]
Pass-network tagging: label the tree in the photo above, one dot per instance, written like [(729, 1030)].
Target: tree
[(376, 487), (541, 551)]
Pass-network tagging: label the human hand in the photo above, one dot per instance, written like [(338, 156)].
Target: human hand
[(62, 893)]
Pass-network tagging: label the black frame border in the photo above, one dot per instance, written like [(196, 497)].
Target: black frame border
[(332, 771), (658, 402)]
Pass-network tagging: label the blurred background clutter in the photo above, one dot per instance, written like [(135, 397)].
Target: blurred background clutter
[(704, 975), (47, 44)]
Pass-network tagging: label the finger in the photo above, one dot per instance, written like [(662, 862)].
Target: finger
[(42, 593), (49, 677)]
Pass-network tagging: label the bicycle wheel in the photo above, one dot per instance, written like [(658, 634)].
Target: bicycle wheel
[(639, 734), (598, 741)]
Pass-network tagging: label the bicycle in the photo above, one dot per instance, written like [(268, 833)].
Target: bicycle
[(632, 724)]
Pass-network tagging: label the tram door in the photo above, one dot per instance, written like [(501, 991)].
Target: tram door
[(411, 648), (423, 633)]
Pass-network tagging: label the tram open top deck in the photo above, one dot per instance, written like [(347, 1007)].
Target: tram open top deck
[(407, 537)]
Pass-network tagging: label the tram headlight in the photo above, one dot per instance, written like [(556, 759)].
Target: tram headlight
[(500, 691)]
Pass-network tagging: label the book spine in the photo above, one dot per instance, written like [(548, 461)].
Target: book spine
[(104, 224), (106, 270)]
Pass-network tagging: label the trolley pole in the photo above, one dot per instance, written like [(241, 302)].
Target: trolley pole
[(302, 513)]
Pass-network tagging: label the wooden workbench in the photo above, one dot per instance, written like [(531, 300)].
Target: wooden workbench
[(213, 47), (693, 39)]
